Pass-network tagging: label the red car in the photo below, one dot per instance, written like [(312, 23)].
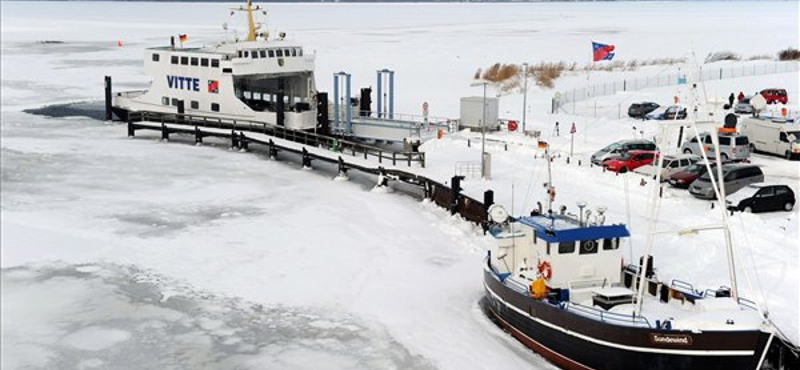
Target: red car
[(630, 160), (775, 96)]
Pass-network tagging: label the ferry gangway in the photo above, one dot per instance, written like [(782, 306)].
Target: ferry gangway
[(397, 127), (303, 137)]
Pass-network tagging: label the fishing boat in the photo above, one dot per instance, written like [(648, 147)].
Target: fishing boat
[(559, 284), (260, 78)]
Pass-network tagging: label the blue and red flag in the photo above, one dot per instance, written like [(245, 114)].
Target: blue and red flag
[(602, 51)]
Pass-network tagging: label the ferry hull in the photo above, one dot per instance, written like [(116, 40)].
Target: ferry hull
[(577, 343)]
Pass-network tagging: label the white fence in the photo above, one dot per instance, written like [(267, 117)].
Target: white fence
[(670, 79)]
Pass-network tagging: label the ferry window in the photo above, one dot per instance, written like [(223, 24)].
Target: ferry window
[(184, 61), (279, 53), (263, 53), (195, 61), (215, 107), (294, 52), (286, 53), (255, 54), (174, 59), (548, 248), (227, 70), (155, 57), (165, 101), (566, 247), (271, 53), (299, 52), (246, 54), (588, 247), (609, 244), (204, 62), (214, 63), (195, 104), (174, 102)]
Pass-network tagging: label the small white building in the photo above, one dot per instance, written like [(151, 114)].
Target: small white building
[(472, 112)]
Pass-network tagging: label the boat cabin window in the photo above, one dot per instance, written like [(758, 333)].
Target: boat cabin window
[(279, 53), (566, 247), (195, 61), (262, 53), (215, 107), (299, 52), (174, 59), (588, 247), (294, 52), (227, 70), (548, 248), (214, 63), (255, 54), (175, 102), (195, 104), (286, 53), (271, 53), (610, 244), (184, 61), (204, 62), (246, 54), (155, 57), (165, 101)]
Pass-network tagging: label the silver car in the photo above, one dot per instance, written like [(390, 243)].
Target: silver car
[(736, 177), (744, 106), (616, 150), (731, 146)]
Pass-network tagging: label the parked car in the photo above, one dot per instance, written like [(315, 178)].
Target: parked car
[(731, 146), (670, 165), (780, 138), (760, 197), (631, 160), (640, 110), (775, 96), (668, 113), (744, 106), (736, 176), (619, 148), (682, 179)]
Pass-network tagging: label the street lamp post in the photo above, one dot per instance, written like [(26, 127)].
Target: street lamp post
[(483, 135), (524, 95)]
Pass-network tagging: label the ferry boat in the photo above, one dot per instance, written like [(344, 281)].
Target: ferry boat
[(260, 79), (558, 283)]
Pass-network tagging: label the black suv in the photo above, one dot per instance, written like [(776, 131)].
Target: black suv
[(762, 198), (640, 110)]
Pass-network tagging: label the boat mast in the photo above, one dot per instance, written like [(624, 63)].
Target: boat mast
[(251, 25)]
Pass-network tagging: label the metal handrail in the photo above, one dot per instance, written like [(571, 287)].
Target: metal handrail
[(308, 138), (605, 316)]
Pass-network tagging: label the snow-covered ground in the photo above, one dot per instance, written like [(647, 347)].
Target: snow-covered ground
[(315, 271)]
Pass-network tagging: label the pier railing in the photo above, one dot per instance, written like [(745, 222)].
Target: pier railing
[(333, 143)]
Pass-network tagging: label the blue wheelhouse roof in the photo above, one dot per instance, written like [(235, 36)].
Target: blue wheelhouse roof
[(560, 229)]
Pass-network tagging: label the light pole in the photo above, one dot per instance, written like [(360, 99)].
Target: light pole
[(483, 135), (483, 128), (524, 95)]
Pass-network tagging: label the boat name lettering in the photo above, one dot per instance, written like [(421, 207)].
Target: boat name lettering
[(183, 83), (683, 340)]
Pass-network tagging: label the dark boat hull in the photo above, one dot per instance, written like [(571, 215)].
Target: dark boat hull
[(575, 342)]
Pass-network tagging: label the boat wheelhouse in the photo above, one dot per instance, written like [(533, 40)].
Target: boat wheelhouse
[(558, 284), (261, 79)]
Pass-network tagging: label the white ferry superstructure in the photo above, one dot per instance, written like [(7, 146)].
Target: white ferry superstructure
[(257, 79)]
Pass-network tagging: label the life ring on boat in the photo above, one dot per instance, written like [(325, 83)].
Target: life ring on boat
[(545, 270)]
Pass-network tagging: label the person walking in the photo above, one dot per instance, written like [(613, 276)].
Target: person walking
[(730, 100), (740, 96), (556, 129)]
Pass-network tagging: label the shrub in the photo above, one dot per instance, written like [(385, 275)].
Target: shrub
[(789, 54)]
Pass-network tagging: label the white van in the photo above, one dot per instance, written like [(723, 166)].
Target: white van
[(775, 136)]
